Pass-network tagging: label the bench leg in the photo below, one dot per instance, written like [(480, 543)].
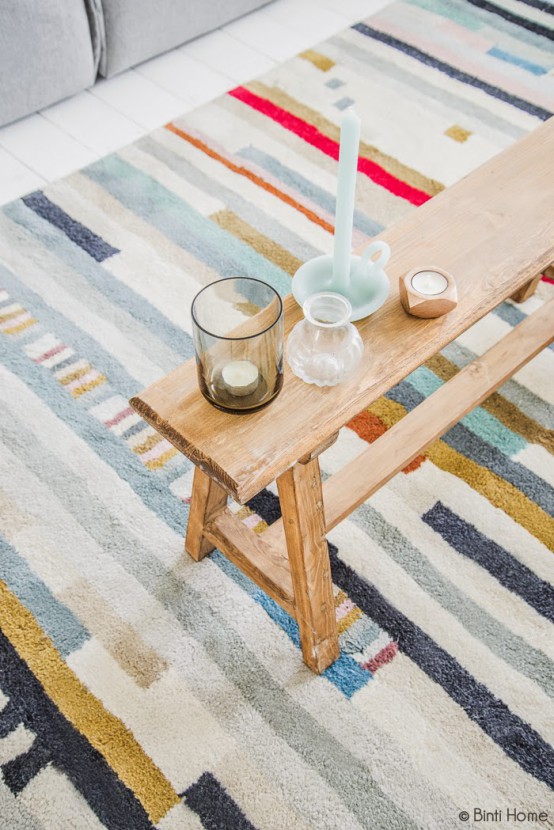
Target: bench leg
[(304, 525), (526, 290), (207, 500)]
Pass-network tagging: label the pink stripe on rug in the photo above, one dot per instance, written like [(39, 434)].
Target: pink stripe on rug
[(119, 417), (50, 353), (252, 521), (385, 656), (344, 609)]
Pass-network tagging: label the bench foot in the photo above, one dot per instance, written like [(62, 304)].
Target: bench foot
[(207, 500), (301, 500)]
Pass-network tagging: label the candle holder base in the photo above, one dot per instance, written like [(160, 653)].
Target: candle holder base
[(365, 295)]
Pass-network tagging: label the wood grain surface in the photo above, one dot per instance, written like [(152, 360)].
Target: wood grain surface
[(346, 489), (207, 500), (304, 529), (493, 231)]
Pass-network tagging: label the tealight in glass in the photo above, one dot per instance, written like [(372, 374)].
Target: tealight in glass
[(238, 337)]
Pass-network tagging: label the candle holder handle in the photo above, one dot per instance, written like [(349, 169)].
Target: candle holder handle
[(366, 260)]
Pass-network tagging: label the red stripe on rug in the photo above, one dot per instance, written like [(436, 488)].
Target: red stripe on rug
[(385, 656), (243, 171), (327, 145), (546, 278)]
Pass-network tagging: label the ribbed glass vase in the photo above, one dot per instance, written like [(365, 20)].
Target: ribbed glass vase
[(325, 348)]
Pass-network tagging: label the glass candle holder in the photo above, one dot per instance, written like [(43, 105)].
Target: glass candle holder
[(238, 337), (325, 348)]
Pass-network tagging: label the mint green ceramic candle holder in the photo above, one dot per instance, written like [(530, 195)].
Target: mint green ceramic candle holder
[(368, 284)]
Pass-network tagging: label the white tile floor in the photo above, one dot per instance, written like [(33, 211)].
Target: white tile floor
[(75, 132)]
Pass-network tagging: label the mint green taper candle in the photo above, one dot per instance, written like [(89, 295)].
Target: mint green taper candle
[(346, 194)]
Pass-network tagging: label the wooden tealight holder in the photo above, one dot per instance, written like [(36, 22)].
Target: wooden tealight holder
[(428, 301)]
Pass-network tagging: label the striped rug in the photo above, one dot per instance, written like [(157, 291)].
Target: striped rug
[(141, 690)]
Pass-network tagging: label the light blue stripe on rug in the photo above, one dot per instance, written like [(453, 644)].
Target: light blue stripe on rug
[(467, 443), (346, 674), (259, 219), (514, 59), (69, 334), (152, 489), (137, 308), (189, 229), (107, 446), (479, 421), (475, 19), (58, 622), (307, 188), (484, 626), (513, 315), (457, 12), (520, 396)]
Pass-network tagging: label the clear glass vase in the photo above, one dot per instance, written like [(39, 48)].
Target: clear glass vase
[(325, 348)]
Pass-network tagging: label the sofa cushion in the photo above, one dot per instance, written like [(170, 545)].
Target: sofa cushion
[(46, 54), (136, 30)]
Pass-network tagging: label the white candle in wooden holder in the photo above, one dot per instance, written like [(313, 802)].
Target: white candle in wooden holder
[(428, 291)]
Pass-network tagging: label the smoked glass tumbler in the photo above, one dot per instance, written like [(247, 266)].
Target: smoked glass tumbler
[(238, 338)]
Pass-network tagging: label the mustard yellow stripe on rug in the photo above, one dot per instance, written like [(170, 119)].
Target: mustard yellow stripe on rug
[(158, 463), (265, 246), (502, 409), (86, 387), (105, 732), (21, 327), (12, 315), (150, 442), (495, 489), (317, 59), (391, 165)]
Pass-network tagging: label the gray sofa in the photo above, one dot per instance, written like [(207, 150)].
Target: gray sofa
[(51, 49)]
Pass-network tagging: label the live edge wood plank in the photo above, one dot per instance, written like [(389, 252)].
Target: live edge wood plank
[(492, 230)]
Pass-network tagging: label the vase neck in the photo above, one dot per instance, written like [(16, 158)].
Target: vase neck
[(327, 310)]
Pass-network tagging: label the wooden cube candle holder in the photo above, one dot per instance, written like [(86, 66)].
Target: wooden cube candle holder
[(428, 291)]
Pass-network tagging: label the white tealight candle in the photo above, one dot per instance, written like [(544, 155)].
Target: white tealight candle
[(240, 377), (429, 282)]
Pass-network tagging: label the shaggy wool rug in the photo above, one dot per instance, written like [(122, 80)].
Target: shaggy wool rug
[(140, 690)]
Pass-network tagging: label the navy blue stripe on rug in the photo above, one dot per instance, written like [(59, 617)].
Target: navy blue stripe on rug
[(467, 443), (512, 315), (524, 22), (542, 5), (453, 72), (511, 733), (59, 743), (509, 571), (214, 806), (96, 247)]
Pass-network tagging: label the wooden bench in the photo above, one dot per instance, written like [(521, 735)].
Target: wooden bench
[(494, 231)]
